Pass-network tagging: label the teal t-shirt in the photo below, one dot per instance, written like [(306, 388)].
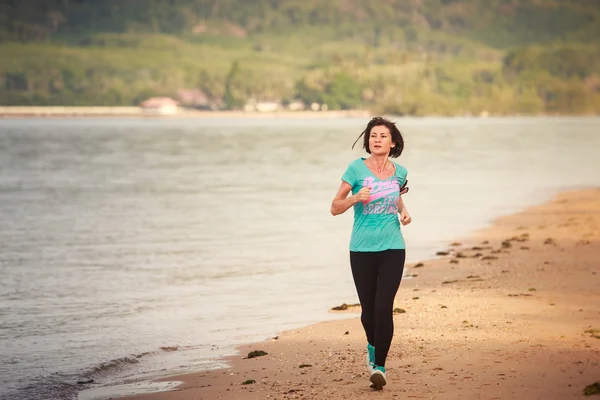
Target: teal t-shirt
[(376, 224)]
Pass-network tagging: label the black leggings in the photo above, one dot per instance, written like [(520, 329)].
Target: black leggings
[(377, 276)]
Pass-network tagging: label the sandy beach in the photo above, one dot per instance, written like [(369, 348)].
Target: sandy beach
[(512, 312)]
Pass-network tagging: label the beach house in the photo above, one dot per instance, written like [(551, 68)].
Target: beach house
[(160, 106)]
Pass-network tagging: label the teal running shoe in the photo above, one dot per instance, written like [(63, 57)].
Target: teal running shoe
[(378, 378), (370, 358)]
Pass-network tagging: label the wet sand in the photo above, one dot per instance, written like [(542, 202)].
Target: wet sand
[(513, 312)]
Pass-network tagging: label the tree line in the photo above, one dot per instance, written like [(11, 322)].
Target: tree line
[(403, 57)]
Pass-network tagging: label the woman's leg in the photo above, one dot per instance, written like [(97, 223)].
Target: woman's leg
[(364, 271), (391, 266)]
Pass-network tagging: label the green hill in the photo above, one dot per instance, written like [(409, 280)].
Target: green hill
[(397, 56)]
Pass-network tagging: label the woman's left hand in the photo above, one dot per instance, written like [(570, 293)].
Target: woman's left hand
[(405, 218)]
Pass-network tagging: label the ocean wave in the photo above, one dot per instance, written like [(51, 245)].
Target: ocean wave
[(108, 368), (63, 387), (119, 364)]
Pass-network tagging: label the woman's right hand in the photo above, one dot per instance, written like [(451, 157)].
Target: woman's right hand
[(363, 194)]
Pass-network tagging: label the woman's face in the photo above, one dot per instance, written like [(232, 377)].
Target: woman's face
[(380, 140)]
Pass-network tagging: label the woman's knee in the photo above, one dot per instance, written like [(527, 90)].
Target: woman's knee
[(367, 318), (384, 309)]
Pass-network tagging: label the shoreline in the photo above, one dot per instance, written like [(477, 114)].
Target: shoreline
[(516, 321), (16, 112), (138, 112)]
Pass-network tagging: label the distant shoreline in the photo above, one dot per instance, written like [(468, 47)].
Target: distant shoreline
[(138, 112)]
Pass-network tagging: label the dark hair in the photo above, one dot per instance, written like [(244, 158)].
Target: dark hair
[(394, 131)]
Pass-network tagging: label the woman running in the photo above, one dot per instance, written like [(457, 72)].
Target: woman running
[(377, 248)]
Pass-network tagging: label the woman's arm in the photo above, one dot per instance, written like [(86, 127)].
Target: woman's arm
[(400, 204), (341, 202), (405, 218)]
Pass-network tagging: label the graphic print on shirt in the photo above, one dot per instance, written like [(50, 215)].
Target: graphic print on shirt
[(384, 196)]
